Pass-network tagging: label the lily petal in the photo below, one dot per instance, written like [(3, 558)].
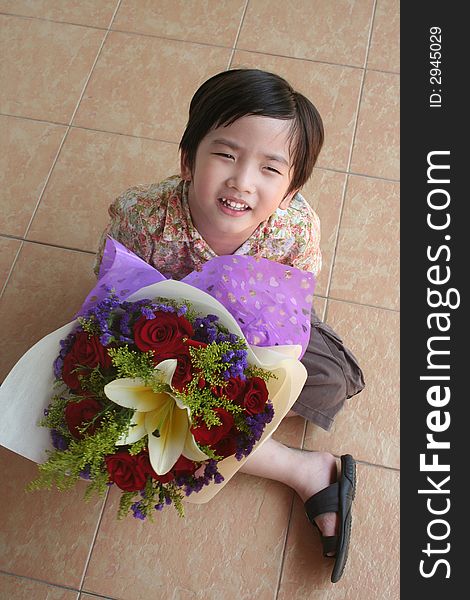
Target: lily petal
[(133, 393), (136, 430), (165, 370), (191, 449), (165, 450)]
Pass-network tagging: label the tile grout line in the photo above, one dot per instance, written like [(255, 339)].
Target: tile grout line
[(12, 266), (199, 43), (234, 47), (54, 161), (103, 41), (289, 522), (93, 542), (37, 580), (351, 150), (284, 546)]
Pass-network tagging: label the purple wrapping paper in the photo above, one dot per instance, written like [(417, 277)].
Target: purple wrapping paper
[(270, 301)]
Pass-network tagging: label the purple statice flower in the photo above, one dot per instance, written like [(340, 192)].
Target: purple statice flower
[(256, 423), (147, 313), (182, 310), (205, 329), (159, 506), (58, 365), (195, 484), (101, 313), (86, 472), (137, 512), (106, 339), (124, 324), (237, 360), (65, 346), (58, 440)]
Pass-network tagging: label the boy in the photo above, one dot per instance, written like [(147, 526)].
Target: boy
[(250, 144)]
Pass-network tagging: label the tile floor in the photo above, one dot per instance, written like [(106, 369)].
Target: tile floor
[(94, 99)]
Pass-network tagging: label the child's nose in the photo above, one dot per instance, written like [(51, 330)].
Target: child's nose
[(242, 179)]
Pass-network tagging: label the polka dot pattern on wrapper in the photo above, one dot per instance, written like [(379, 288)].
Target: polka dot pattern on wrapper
[(270, 301)]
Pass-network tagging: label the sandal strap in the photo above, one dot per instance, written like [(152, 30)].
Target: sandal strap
[(326, 500), (330, 544)]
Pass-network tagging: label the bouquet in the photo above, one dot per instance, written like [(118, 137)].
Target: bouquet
[(162, 388), (151, 396)]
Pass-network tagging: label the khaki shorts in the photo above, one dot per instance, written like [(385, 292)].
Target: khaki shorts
[(333, 376)]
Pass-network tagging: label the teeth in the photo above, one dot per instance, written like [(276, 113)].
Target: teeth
[(234, 205)]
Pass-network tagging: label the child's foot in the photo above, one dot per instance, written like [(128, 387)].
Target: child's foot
[(316, 471)]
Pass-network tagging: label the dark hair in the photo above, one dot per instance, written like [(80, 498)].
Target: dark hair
[(229, 95)]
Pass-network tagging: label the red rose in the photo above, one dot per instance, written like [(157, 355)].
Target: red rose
[(235, 390), (164, 334), (77, 414), (210, 436), (86, 351), (143, 460), (126, 472), (184, 466), (183, 371), (227, 445), (256, 396)]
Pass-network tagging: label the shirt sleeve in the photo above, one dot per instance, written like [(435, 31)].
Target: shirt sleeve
[(308, 254), (126, 226)]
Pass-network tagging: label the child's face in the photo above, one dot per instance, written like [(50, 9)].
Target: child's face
[(241, 176)]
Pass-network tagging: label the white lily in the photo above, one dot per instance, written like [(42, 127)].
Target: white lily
[(161, 416)]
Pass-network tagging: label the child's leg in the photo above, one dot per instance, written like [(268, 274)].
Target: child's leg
[(333, 376), (305, 472)]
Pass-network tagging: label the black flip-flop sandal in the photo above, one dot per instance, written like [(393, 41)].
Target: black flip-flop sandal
[(337, 497)]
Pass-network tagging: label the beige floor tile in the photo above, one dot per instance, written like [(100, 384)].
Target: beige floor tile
[(333, 89), (324, 192), (291, 432), (65, 53), (325, 31), (27, 150), (46, 535), (367, 266), (8, 250), (142, 85), (206, 21), (79, 12), (372, 570), (46, 288), (18, 588), (368, 425), (376, 147), (320, 306), (92, 170), (384, 52), (234, 544)]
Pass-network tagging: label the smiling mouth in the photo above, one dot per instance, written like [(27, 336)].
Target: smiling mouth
[(233, 205)]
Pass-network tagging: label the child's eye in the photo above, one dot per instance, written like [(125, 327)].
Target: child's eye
[(273, 170), (225, 155)]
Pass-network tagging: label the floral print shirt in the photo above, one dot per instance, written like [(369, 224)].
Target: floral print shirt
[(154, 222)]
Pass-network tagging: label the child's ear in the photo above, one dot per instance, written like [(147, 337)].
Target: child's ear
[(185, 170), (285, 203)]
